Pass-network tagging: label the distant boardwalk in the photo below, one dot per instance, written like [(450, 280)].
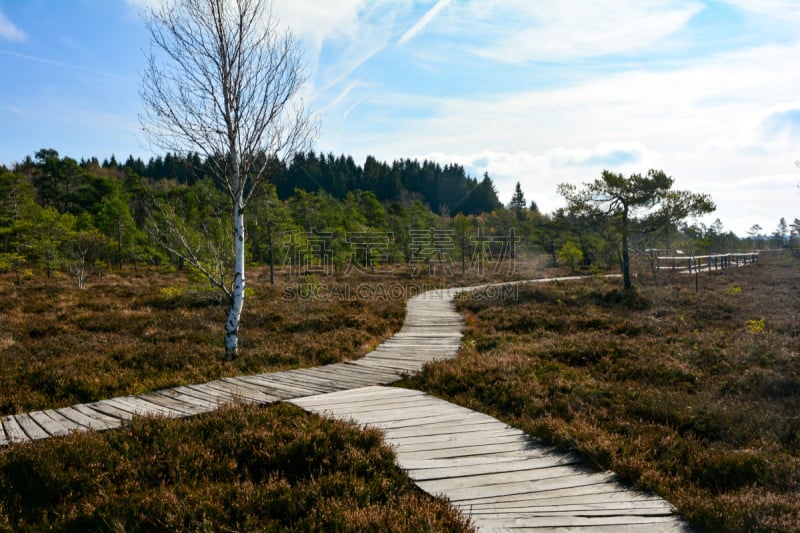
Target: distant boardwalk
[(497, 475)]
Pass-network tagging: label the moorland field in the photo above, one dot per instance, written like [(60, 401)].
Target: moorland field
[(692, 394)]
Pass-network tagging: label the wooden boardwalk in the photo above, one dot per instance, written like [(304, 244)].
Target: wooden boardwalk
[(432, 330), (502, 479), (497, 475)]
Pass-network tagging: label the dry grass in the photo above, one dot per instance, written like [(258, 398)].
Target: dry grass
[(130, 332), (693, 395), (241, 468)]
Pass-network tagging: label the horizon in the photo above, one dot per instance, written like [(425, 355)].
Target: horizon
[(541, 94)]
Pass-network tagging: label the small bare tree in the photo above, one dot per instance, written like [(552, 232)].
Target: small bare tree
[(222, 80)]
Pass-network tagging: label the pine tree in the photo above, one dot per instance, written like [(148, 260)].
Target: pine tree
[(518, 202)]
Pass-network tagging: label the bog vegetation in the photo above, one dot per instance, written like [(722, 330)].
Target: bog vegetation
[(693, 395)]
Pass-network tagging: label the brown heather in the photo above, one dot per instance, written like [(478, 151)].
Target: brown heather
[(691, 395), (242, 468), (129, 332)]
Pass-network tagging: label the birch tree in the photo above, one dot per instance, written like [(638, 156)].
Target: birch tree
[(223, 80)]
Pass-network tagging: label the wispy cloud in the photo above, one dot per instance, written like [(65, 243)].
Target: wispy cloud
[(8, 31), (520, 31), (422, 22)]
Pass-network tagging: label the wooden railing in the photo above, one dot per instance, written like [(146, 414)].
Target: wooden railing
[(697, 263)]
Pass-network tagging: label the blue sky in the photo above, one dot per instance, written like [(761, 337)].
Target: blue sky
[(540, 92)]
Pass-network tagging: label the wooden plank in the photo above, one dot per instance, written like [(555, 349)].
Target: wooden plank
[(220, 396), (620, 507), (449, 437), (67, 423), (348, 374), (100, 419), (82, 419), (575, 521), (601, 490), (491, 492), (446, 428), (13, 430), (202, 404), (105, 406), (407, 408), (273, 387), (308, 375), (3, 437), (33, 430), (338, 373), (526, 466), (201, 394), (356, 395), (262, 384), (181, 408), (466, 451), (610, 494), (52, 427), (474, 441), (241, 392), (622, 514), (380, 375), (466, 481), (313, 387), (486, 463), (139, 407)]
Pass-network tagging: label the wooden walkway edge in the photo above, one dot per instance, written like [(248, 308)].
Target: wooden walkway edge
[(501, 478)]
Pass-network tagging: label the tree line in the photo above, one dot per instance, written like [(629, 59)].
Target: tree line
[(62, 215)]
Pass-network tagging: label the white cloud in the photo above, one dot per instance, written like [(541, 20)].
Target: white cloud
[(779, 9), (316, 21), (519, 31), (9, 31)]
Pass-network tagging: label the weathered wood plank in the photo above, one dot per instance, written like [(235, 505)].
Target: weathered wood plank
[(202, 404), (578, 479), (408, 407), (349, 397), (450, 470), (521, 440), (261, 386), (607, 495), (100, 419), (325, 379), (138, 407), (14, 431), (306, 383), (69, 424), (180, 407), (339, 373), (646, 506), (47, 423), (106, 407), (287, 390), (82, 419), (241, 392), (460, 437), (574, 521), (199, 392), (445, 428), (459, 481), (33, 430)]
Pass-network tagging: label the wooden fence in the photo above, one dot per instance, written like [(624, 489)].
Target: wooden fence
[(698, 263)]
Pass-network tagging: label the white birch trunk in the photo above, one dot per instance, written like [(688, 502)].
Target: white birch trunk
[(237, 294)]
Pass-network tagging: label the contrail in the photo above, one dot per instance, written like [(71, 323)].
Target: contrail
[(424, 21)]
